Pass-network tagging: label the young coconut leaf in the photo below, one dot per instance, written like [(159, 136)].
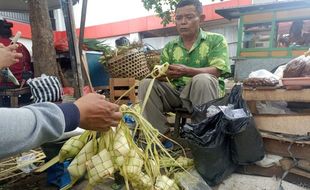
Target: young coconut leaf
[(120, 142), (133, 164), (73, 146), (99, 167), (164, 183), (77, 167), (141, 182)]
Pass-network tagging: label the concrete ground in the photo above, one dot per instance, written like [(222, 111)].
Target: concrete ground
[(234, 182), (248, 182)]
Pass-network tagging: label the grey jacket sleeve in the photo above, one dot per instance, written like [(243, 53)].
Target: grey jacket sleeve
[(22, 129)]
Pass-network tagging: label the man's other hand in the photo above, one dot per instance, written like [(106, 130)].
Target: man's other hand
[(96, 113), (176, 71)]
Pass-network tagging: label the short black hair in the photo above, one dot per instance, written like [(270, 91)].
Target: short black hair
[(5, 29), (196, 3)]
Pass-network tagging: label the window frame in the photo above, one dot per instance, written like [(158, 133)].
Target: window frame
[(273, 39)]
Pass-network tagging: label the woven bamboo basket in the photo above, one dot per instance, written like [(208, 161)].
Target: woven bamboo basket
[(11, 169), (152, 58), (132, 64)]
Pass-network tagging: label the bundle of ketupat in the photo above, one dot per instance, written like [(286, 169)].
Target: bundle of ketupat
[(77, 167), (100, 167), (144, 163), (73, 146), (164, 183), (137, 153)]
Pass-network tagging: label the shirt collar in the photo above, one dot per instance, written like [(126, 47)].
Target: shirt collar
[(201, 35)]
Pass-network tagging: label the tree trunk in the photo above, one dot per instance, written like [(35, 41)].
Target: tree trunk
[(44, 54)]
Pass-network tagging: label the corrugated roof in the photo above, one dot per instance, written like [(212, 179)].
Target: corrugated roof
[(236, 12)]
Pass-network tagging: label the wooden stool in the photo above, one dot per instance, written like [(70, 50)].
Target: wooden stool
[(14, 94), (181, 114), (118, 86)]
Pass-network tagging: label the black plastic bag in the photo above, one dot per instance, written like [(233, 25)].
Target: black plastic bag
[(205, 132), (213, 162), (210, 147), (247, 143), (200, 112), (247, 146), (220, 142)]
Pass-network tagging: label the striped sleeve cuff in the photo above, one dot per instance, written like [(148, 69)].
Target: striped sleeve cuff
[(71, 114)]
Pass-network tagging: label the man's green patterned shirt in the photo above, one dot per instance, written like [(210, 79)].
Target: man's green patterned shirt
[(209, 50)]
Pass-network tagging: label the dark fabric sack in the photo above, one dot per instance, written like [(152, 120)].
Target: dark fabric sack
[(45, 89)]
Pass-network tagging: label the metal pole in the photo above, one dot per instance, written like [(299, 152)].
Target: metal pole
[(75, 57), (82, 25)]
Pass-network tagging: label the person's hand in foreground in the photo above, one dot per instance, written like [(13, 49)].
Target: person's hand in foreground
[(8, 55), (96, 113), (176, 71)]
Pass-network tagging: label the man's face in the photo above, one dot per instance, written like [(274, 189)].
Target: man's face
[(187, 21)]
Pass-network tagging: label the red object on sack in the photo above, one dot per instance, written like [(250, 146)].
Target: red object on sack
[(61, 45), (87, 90), (69, 91)]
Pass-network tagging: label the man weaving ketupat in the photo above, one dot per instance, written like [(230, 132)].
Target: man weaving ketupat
[(197, 59)]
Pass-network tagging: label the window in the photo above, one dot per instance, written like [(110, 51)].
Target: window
[(256, 35), (20, 17), (293, 34)]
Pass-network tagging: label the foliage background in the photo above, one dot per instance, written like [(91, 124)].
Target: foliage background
[(164, 9)]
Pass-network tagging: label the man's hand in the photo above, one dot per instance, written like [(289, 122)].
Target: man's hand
[(8, 55), (96, 113), (176, 71)]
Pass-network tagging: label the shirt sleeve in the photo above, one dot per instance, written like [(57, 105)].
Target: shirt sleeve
[(28, 127), (71, 114), (218, 56), (164, 56)]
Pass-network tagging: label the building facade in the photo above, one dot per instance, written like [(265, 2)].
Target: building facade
[(109, 21)]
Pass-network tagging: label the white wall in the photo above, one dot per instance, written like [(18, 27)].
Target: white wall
[(230, 31), (158, 42), (111, 41), (134, 37)]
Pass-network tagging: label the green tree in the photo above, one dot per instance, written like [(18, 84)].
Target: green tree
[(164, 9)]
